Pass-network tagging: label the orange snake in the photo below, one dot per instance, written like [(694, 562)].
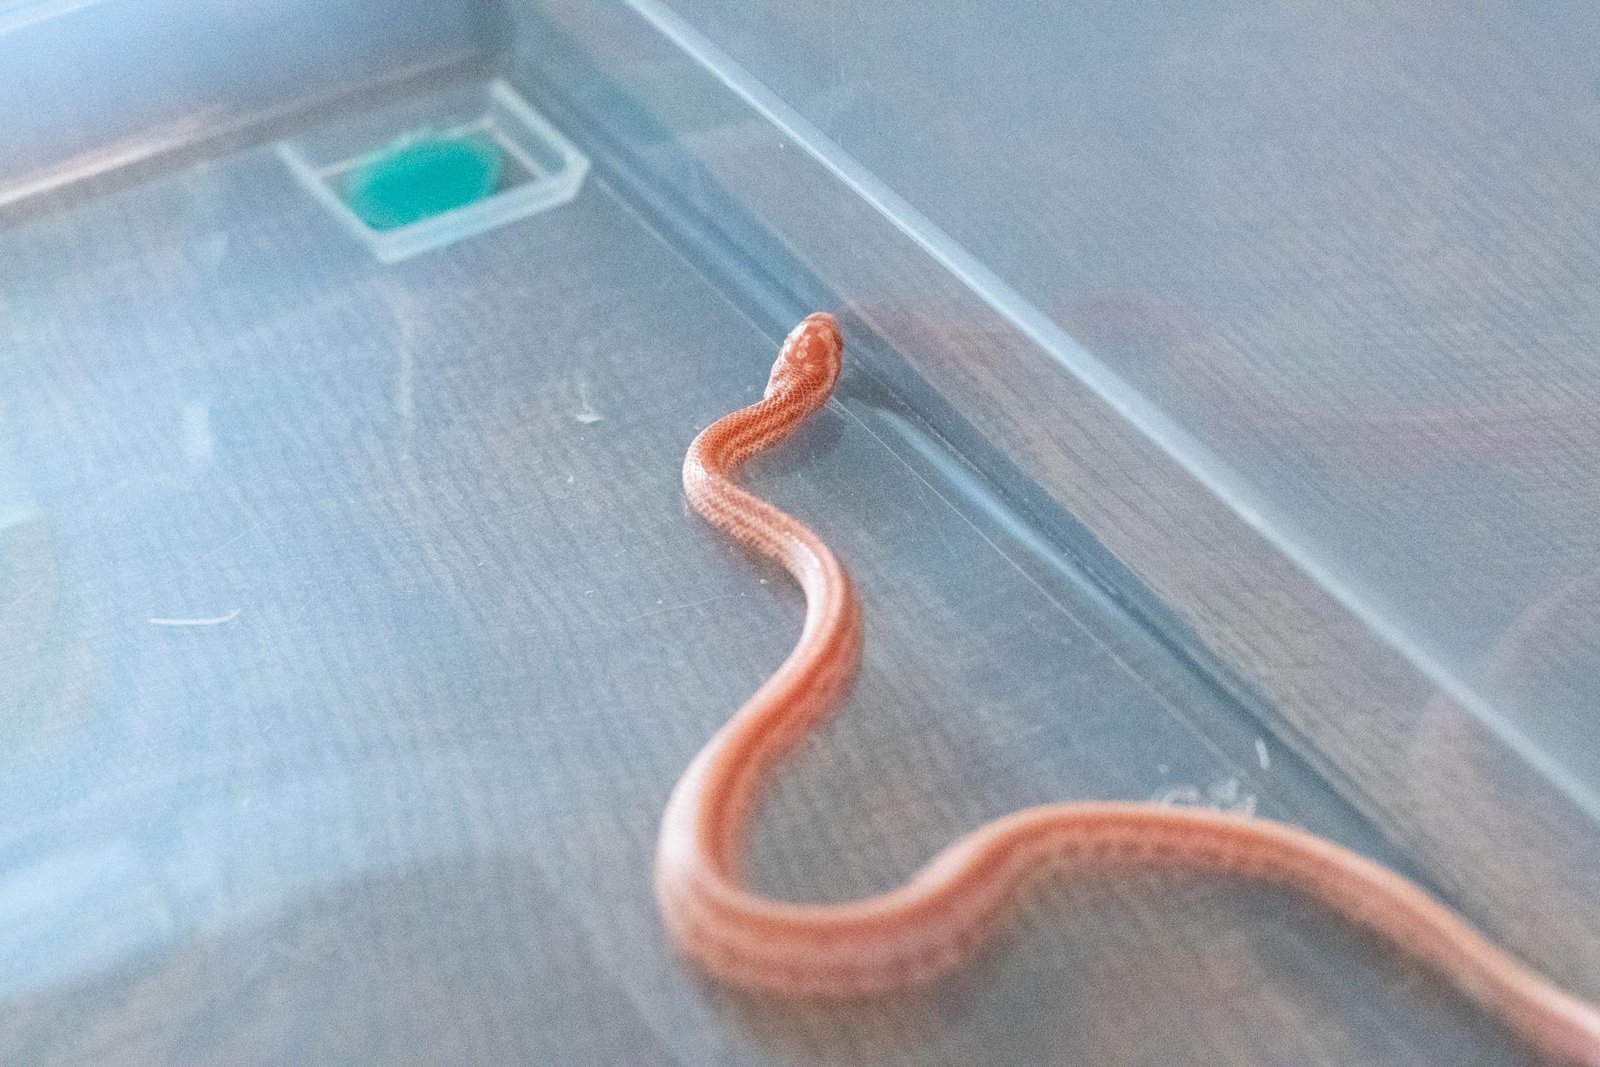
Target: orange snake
[(929, 925)]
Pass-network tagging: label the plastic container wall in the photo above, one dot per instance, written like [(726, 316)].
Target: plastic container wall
[(87, 86), (1277, 316)]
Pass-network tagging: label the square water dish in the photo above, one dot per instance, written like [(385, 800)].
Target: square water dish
[(437, 167)]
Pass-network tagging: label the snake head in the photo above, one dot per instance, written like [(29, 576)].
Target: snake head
[(811, 356)]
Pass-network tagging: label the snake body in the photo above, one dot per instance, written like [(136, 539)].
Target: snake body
[(932, 923)]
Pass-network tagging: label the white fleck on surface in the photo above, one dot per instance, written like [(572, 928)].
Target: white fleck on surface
[(586, 413), (217, 620), (1263, 757), (1228, 795), (1178, 795), (1225, 794)]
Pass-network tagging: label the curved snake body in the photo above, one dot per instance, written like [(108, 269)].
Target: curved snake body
[(932, 923)]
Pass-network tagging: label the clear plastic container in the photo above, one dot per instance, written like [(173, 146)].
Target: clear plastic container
[(356, 630)]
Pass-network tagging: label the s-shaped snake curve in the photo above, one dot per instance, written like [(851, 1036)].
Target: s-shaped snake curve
[(947, 910)]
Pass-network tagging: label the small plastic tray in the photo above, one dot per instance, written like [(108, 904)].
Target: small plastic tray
[(539, 168)]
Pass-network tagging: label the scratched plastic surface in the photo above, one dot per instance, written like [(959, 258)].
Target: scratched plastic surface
[(354, 632), (92, 85)]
